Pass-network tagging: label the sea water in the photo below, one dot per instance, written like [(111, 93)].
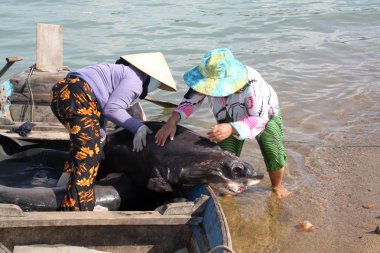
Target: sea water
[(321, 57)]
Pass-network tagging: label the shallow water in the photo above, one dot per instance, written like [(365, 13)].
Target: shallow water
[(322, 58)]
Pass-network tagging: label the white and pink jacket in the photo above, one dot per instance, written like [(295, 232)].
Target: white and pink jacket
[(250, 108)]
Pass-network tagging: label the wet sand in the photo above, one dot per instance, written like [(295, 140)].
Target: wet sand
[(346, 182), (337, 191)]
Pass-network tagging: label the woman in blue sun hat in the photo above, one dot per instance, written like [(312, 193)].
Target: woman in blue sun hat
[(244, 106)]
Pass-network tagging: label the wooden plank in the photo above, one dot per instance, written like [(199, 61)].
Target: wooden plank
[(10, 210), (23, 98), (57, 248), (110, 238), (38, 135), (39, 126), (49, 55), (41, 82), (48, 219)]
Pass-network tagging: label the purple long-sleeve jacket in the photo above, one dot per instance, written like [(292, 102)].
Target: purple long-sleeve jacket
[(115, 86)]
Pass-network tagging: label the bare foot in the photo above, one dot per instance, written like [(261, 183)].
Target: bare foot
[(281, 192)]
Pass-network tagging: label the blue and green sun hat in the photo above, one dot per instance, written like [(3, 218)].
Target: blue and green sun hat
[(218, 75)]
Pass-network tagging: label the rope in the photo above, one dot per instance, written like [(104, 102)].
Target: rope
[(30, 98), (221, 247)]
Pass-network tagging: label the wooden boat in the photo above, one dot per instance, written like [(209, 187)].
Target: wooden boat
[(181, 227), (197, 225)]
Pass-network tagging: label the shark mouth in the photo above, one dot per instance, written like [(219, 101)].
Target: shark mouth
[(232, 188), (228, 189)]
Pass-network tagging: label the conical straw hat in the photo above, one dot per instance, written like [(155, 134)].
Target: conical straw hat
[(153, 64)]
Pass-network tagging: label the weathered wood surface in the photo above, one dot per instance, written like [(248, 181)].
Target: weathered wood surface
[(47, 219), (38, 135), (49, 55), (10, 210), (41, 131), (57, 248), (39, 126), (22, 99), (110, 231), (111, 238), (119, 231), (41, 82)]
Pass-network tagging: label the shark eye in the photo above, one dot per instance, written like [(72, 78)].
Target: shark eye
[(238, 171)]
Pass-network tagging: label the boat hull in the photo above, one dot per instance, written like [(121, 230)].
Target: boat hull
[(122, 231)]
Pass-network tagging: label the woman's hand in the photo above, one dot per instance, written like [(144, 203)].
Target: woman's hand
[(220, 132), (167, 130)]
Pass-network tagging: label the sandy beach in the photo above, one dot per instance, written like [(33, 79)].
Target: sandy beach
[(339, 194), (343, 203)]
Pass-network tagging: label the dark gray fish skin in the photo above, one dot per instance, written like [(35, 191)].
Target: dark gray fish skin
[(23, 171), (118, 193), (187, 160), (49, 199)]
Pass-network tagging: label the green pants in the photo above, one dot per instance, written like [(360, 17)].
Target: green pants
[(271, 145), (270, 142)]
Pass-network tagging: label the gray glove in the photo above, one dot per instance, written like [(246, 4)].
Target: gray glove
[(102, 144), (139, 141)]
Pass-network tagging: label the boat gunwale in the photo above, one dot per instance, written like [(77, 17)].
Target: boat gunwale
[(110, 218)]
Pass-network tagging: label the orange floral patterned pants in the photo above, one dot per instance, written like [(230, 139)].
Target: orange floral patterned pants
[(74, 104)]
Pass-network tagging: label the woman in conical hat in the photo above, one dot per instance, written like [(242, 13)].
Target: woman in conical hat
[(244, 106), (90, 96)]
